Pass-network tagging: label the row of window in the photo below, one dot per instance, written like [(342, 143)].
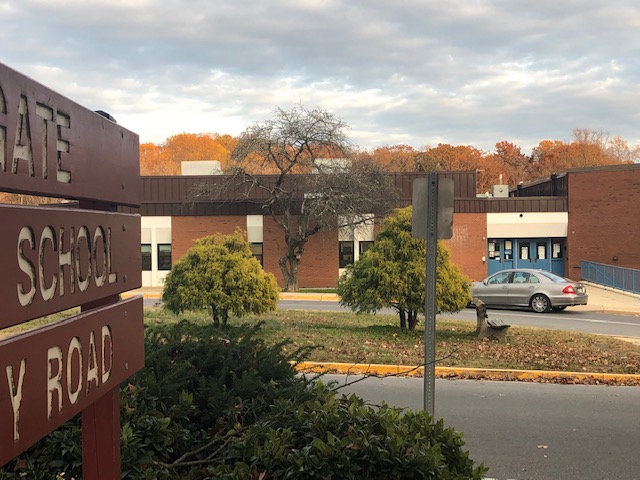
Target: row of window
[(524, 252), (164, 255), (345, 252)]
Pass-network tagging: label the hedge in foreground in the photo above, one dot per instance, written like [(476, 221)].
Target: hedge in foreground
[(339, 437), (214, 403)]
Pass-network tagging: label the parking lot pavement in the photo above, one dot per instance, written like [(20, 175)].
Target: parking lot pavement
[(601, 299)]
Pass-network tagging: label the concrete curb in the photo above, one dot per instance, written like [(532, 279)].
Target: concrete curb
[(317, 297), (466, 373)]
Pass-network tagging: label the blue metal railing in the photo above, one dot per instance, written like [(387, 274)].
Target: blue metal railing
[(621, 278)]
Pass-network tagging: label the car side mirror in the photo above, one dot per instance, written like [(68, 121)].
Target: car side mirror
[(484, 282)]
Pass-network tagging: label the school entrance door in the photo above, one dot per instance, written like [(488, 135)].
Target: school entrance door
[(539, 253)]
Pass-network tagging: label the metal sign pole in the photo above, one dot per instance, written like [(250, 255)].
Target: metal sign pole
[(430, 295)]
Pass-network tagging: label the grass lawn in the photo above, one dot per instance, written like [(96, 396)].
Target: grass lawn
[(351, 338), (377, 339)]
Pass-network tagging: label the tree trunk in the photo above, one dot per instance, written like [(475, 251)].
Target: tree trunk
[(403, 318), (413, 319), (289, 268), (216, 317)]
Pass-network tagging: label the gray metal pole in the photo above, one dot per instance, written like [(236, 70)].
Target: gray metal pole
[(430, 295)]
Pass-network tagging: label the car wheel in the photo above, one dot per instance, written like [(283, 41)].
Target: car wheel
[(540, 303), (558, 309)]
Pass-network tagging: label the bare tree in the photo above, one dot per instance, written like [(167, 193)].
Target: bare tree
[(300, 162), (619, 149)]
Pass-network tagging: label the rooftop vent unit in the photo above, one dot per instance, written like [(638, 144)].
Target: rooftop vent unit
[(500, 191)]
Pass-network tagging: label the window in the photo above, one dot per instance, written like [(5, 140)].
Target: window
[(146, 257), (520, 277), (494, 249), (256, 250), (345, 254), (164, 256), (542, 251), (364, 246), (499, 278)]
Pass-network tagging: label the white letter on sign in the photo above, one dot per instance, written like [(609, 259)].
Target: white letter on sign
[(16, 395), (26, 296), (107, 355), (92, 363), (23, 148), (73, 394), (83, 283), (46, 292), (54, 381)]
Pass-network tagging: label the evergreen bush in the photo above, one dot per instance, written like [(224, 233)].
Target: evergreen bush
[(219, 403)]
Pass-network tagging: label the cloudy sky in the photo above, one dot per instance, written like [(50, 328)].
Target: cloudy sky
[(416, 72)]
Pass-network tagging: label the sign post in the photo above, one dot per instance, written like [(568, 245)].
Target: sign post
[(54, 259), (432, 219)]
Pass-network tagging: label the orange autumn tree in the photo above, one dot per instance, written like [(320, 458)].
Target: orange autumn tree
[(154, 160), (393, 158), (507, 165), (589, 148), (166, 159), (449, 158)]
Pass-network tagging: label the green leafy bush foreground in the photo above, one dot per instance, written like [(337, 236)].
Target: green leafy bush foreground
[(219, 403)]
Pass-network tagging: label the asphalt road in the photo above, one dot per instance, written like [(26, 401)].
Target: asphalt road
[(587, 322), (529, 431)]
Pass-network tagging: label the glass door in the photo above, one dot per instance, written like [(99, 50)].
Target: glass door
[(500, 255), (533, 253)]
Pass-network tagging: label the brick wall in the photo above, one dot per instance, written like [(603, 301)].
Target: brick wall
[(319, 267), (184, 230), (604, 219), (469, 244)]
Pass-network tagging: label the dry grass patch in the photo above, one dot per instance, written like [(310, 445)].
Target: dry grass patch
[(350, 338)]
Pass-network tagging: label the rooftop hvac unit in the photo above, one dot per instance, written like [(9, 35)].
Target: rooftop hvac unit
[(500, 190)]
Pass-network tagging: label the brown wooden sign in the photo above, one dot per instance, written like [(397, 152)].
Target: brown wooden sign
[(54, 259), (50, 374), (51, 146)]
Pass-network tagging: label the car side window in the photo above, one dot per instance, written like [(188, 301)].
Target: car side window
[(499, 278), (520, 277), (533, 279)]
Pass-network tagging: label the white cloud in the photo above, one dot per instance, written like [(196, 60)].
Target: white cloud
[(460, 72)]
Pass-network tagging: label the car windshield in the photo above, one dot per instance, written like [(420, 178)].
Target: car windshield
[(555, 278)]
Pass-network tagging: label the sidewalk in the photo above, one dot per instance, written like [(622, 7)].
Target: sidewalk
[(601, 299), (605, 299)]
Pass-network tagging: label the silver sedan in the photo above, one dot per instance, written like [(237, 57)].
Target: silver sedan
[(540, 290)]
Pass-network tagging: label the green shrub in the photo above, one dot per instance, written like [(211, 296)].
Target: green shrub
[(220, 274), (214, 403), (198, 381), (392, 274), (331, 436)]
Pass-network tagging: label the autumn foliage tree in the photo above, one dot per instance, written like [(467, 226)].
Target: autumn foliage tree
[(166, 159), (394, 158), (507, 164)]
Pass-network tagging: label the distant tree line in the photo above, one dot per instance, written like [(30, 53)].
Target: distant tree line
[(506, 163)]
